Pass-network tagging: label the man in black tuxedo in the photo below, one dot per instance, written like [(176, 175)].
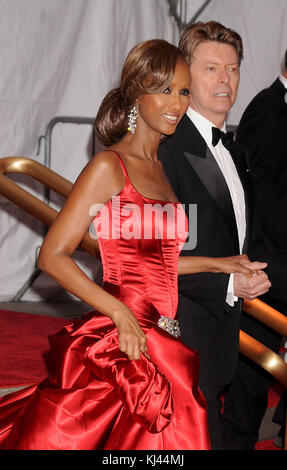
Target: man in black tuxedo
[(263, 132), (212, 174)]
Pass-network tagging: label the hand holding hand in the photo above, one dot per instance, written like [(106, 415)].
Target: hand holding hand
[(252, 287), (237, 264)]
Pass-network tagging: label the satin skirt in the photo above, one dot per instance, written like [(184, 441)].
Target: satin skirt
[(96, 398)]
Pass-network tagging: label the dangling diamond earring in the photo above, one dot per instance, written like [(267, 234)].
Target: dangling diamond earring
[(132, 117)]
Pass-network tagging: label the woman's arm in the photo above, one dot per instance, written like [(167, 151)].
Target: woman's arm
[(232, 264), (101, 179)]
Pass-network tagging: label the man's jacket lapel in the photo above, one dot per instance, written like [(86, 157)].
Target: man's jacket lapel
[(206, 168)]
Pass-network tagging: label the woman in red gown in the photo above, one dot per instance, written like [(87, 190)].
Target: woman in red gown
[(121, 378)]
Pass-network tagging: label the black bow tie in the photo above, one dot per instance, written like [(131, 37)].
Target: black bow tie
[(226, 138)]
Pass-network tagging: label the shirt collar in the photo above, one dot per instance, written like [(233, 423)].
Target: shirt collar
[(283, 80), (203, 125)]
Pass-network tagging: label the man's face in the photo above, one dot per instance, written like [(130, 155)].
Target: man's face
[(214, 80)]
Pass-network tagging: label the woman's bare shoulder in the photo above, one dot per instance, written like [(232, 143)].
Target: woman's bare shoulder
[(108, 158), (104, 164)]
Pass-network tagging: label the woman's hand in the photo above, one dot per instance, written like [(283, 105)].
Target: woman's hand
[(132, 339), (239, 264)]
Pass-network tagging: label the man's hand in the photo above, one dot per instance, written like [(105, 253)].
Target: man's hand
[(251, 287)]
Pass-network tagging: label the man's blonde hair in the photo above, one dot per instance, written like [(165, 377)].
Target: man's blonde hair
[(211, 31)]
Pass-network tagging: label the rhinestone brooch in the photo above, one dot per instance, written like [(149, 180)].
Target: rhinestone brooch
[(170, 325)]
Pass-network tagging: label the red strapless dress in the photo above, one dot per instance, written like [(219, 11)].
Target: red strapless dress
[(95, 397)]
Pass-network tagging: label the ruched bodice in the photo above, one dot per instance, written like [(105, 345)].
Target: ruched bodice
[(140, 240), (95, 397)]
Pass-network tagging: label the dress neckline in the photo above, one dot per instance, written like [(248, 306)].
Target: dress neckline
[(133, 187)]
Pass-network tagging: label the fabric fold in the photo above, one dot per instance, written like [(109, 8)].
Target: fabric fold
[(143, 389)]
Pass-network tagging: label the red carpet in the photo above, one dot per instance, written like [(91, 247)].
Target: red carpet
[(267, 445), (23, 344)]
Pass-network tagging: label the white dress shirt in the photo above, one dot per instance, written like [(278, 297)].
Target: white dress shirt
[(283, 80), (228, 169)]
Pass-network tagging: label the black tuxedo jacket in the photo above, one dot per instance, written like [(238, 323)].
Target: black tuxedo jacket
[(263, 132), (207, 322)]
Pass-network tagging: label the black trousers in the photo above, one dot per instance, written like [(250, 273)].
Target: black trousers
[(245, 405), (247, 398), (212, 395)]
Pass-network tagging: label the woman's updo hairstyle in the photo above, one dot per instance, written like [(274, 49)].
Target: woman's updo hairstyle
[(149, 68)]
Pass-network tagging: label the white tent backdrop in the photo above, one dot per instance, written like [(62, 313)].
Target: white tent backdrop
[(60, 57)]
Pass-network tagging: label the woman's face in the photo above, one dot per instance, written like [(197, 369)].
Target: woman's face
[(161, 112)]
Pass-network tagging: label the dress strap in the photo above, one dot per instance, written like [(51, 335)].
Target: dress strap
[(121, 163)]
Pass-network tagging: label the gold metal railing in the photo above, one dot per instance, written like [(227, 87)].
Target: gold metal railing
[(31, 204), (250, 347), (256, 351)]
